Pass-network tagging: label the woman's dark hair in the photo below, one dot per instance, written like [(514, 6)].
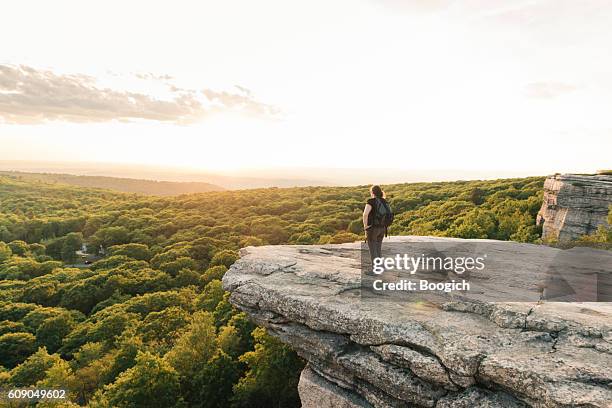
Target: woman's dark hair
[(377, 191)]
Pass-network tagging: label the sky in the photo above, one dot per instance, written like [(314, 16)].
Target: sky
[(482, 85)]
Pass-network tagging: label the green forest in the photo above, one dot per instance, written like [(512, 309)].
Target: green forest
[(140, 318)]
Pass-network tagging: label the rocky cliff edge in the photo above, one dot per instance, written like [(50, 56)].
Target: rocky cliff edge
[(447, 353)]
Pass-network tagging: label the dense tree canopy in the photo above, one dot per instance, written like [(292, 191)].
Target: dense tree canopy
[(142, 319)]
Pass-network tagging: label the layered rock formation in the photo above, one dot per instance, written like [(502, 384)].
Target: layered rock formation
[(574, 205), (450, 352)]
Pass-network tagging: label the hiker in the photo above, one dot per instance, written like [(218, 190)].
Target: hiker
[(377, 216)]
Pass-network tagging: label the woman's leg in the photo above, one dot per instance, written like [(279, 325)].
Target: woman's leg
[(380, 234), (370, 239)]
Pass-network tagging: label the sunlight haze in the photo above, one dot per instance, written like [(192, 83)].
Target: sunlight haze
[(232, 86)]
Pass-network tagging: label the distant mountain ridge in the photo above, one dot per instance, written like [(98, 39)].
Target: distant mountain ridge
[(247, 180), (244, 178), (126, 185)]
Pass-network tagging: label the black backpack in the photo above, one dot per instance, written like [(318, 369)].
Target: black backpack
[(383, 216)]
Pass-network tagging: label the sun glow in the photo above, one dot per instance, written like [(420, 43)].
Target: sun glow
[(433, 86)]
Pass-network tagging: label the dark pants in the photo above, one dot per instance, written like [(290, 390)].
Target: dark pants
[(374, 237)]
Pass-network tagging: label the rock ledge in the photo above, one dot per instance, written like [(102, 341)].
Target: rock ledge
[(426, 354)]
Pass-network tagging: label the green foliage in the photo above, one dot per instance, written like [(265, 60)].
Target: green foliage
[(15, 348), (173, 267), (215, 272), (5, 252), (269, 361), (110, 236), (52, 331), (135, 251), (342, 237), (6, 326), (164, 326), (71, 243), (477, 196), (19, 248), (195, 346), (152, 382), (211, 296), (235, 339), (224, 258), (33, 369), (128, 347), (149, 315), (213, 383)]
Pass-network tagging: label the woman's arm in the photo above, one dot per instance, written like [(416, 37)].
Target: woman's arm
[(366, 212)]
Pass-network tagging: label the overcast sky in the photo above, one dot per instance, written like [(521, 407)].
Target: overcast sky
[(474, 84)]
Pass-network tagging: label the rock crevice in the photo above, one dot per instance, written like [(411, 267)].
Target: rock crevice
[(451, 353)]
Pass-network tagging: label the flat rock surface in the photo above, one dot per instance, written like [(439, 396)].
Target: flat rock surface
[(446, 352)]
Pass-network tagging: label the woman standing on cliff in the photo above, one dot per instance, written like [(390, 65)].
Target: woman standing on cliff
[(377, 216)]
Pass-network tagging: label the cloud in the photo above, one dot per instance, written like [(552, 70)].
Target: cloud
[(29, 96), (548, 90)]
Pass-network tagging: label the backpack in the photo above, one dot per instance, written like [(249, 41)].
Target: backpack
[(383, 216)]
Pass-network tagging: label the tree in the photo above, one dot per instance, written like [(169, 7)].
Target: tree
[(477, 196), (37, 249), (225, 258), (135, 251), (57, 376), (187, 277), (5, 252), (51, 332), (91, 366), (33, 369), (5, 234), (128, 347), (54, 247), (213, 383), (269, 361), (151, 382), (42, 293), (224, 311), (7, 326), (242, 340), (173, 267), (250, 241), (19, 247), (110, 236), (211, 296), (72, 242), (15, 348), (212, 273), (195, 346), (342, 237), (164, 326)]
